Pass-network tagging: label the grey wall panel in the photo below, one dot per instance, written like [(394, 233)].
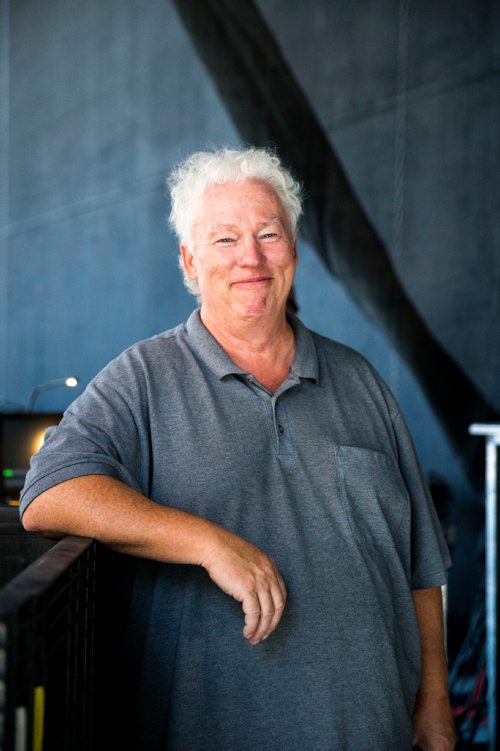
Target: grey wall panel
[(104, 96), (4, 181), (328, 45), (113, 280), (451, 257), (104, 99)]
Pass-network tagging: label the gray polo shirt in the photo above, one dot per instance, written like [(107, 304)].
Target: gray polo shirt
[(322, 475)]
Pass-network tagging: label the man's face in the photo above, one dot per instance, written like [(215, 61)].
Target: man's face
[(241, 253)]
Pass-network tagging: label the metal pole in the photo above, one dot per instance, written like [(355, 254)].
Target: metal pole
[(492, 434)]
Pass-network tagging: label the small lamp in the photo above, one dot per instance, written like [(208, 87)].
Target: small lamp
[(70, 382)]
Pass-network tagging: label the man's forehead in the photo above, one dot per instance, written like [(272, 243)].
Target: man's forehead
[(213, 226), (224, 206)]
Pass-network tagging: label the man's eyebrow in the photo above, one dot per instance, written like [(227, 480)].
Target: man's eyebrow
[(218, 227), (269, 221)]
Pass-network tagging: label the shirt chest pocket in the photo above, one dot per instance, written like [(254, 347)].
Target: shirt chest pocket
[(373, 495)]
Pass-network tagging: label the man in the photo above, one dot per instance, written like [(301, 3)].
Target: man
[(243, 446)]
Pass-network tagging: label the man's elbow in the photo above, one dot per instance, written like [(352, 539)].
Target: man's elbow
[(29, 518), (35, 519)]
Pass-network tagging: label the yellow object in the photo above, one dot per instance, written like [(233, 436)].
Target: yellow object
[(38, 717), (37, 441)]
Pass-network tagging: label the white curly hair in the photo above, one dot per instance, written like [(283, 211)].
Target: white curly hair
[(190, 179)]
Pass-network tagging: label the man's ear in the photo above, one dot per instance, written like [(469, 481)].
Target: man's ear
[(188, 262)]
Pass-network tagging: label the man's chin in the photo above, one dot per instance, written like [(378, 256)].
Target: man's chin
[(255, 310)]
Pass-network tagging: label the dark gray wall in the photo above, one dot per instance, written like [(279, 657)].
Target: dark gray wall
[(102, 97)]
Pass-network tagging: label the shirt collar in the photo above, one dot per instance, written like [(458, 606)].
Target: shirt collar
[(305, 364)]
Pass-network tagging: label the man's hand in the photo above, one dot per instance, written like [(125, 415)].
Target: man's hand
[(246, 573), (433, 727)]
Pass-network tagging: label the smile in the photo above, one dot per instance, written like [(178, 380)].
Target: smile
[(256, 280)]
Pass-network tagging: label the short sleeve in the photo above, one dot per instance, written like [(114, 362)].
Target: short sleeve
[(102, 433), (430, 557)]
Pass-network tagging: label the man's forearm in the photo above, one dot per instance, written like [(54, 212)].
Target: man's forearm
[(113, 513), (433, 670), (432, 719), (118, 516)]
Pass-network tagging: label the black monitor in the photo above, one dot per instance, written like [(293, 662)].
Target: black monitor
[(21, 435)]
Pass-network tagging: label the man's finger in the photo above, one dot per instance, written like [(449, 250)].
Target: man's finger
[(267, 612), (282, 587), (251, 608), (279, 599)]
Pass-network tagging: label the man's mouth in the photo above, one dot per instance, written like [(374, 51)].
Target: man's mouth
[(254, 280)]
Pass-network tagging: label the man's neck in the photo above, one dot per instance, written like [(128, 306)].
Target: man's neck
[(263, 348)]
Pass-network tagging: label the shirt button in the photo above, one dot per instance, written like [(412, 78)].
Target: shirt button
[(281, 429)]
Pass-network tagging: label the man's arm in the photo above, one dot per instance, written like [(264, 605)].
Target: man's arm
[(433, 728), (108, 510)]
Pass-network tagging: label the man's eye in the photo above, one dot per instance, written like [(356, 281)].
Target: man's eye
[(269, 235), (224, 240)]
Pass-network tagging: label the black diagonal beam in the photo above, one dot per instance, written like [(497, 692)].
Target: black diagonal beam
[(269, 109)]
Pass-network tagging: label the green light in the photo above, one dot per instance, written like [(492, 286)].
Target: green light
[(8, 473)]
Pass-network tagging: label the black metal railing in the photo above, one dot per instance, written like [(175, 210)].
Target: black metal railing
[(47, 614)]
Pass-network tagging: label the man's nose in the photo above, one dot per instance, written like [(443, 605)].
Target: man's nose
[(250, 253)]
